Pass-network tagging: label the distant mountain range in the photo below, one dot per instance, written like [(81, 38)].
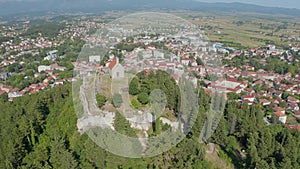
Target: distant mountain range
[(98, 6)]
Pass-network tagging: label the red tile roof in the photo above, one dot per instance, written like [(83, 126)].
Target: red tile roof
[(15, 90), (22, 92), (264, 101), (2, 92), (7, 87), (279, 114), (297, 113), (278, 109), (292, 99), (293, 127), (112, 63)]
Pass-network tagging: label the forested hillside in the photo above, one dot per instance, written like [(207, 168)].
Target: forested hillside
[(47, 29), (39, 131)]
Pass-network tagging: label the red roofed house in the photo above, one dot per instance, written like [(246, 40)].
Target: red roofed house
[(185, 61), (265, 102), (2, 92), (294, 127), (293, 106), (280, 113), (278, 109), (6, 88), (59, 82), (116, 70), (282, 117), (14, 93), (249, 91), (292, 99), (56, 67), (248, 98), (297, 113), (33, 86)]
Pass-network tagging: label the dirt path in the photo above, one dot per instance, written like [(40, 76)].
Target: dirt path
[(212, 156)]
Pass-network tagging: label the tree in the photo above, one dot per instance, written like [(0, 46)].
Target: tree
[(135, 104), (143, 98), (117, 100), (232, 96), (252, 157), (100, 100), (134, 87), (39, 131), (60, 157), (285, 95), (3, 97), (199, 61), (122, 125), (262, 164), (161, 80)]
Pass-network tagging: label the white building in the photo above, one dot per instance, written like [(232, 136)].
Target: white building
[(43, 68), (116, 70), (158, 54), (281, 117), (94, 59), (52, 55)]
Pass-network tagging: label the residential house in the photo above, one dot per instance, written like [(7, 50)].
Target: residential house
[(278, 109), (296, 91), (281, 116), (43, 68), (265, 102), (14, 93), (2, 92), (278, 100), (280, 113), (248, 98), (33, 86), (292, 106), (6, 88), (59, 82), (278, 94), (52, 55), (56, 67), (185, 61), (95, 59), (297, 127), (292, 99), (297, 113), (158, 54), (8, 62), (249, 91)]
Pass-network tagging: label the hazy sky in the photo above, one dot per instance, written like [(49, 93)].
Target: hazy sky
[(274, 3)]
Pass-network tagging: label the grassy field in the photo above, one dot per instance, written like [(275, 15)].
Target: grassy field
[(247, 30), (242, 29), (105, 86)]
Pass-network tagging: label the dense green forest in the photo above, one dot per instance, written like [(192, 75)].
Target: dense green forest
[(39, 131), (48, 29), (144, 83)]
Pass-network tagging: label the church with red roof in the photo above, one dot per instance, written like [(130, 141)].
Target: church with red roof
[(116, 70)]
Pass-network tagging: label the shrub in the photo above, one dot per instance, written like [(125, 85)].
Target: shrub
[(100, 100), (117, 100), (135, 104), (143, 98)]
